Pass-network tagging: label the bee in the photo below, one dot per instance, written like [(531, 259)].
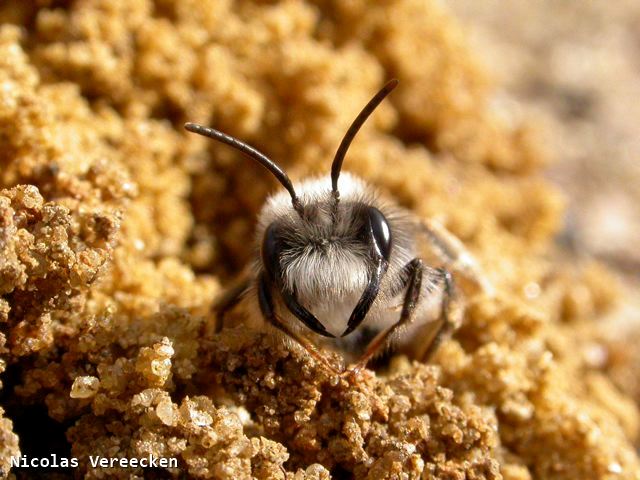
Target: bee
[(340, 267)]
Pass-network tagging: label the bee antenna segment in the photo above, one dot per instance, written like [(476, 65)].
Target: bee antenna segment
[(252, 153), (336, 166)]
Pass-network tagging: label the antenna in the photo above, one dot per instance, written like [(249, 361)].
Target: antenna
[(336, 166), (252, 153)]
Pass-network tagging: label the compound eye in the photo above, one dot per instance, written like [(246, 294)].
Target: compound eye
[(380, 231), (271, 248)]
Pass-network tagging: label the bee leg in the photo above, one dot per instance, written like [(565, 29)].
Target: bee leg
[(415, 270), (451, 315), (451, 250), (265, 299), (229, 299)]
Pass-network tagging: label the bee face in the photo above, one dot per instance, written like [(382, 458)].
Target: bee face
[(338, 250)]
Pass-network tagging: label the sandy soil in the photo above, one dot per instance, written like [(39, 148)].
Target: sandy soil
[(118, 230)]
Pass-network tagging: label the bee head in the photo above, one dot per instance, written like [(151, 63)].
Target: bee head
[(332, 252)]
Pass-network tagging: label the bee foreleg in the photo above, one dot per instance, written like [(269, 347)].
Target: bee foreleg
[(229, 299), (265, 299), (454, 254), (450, 315)]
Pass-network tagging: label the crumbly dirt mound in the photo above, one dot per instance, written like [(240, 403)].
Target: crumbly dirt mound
[(118, 229)]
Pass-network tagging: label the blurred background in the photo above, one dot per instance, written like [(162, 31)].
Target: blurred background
[(576, 66)]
